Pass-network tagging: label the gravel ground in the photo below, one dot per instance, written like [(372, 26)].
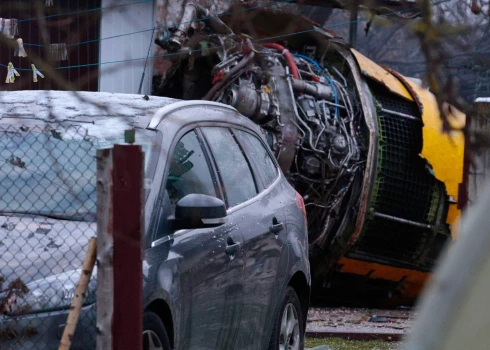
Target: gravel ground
[(359, 320), (341, 344)]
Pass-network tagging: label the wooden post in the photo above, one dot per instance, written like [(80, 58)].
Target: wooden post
[(127, 324), (79, 297), (120, 220), (105, 245)]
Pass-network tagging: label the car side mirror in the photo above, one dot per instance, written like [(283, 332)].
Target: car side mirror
[(198, 211)]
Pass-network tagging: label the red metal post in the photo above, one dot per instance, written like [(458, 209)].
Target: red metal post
[(128, 227)]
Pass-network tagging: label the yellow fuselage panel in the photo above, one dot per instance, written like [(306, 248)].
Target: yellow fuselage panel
[(381, 75), (444, 151)]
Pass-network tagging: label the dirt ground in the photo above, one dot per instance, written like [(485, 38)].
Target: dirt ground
[(342, 344), (358, 320)]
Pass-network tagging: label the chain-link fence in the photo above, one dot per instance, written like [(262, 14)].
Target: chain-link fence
[(47, 216)]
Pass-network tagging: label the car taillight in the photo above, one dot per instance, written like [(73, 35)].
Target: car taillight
[(301, 204)]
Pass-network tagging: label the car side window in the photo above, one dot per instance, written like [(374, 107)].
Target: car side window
[(234, 170), (264, 166), (189, 171)]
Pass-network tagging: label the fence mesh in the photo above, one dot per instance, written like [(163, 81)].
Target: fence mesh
[(47, 216)]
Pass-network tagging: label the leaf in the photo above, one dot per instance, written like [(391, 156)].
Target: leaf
[(56, 134)]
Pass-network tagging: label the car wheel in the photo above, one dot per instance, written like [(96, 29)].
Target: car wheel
[(288, 329), (154, 333)]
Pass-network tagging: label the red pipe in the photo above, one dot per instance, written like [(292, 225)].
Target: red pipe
[(287, 55)]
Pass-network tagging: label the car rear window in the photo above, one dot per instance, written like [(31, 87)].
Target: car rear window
[(233, 167), (264, 166)]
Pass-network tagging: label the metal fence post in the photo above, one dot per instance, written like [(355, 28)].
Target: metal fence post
[(120, 325)]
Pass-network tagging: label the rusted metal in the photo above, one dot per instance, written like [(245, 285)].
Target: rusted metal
[(395, 337), (127, 221)]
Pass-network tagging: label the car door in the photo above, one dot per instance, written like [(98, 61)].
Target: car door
[(193, 266), (251, 183)]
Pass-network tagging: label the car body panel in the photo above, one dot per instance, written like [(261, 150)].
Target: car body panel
[(177, 123), (264, 261)]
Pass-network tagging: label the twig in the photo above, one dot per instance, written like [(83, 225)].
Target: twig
[(79, 297)]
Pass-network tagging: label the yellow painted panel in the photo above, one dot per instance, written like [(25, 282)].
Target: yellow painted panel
[(445, 152), (378, 73)]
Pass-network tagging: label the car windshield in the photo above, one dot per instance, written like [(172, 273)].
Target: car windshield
[(49, 170)]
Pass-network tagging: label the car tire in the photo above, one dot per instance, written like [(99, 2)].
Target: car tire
[(288, 331), (154, 333)]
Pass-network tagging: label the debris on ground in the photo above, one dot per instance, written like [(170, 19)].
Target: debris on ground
[(342, 344), (359, 320)]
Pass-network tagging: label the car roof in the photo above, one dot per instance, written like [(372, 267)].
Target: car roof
[(60, 106), (180, 114)]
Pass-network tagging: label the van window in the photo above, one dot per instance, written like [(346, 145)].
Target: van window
[(233, 167)]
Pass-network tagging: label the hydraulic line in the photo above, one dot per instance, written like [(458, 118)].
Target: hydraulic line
[(287, 55), (317, 65)]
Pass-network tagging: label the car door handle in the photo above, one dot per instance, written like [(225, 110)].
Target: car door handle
[(276, 228), (232, 248)]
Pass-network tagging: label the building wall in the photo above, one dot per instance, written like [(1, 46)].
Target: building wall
[(122, 59)]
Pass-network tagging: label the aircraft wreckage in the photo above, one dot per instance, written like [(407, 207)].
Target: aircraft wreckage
[(361, 143)]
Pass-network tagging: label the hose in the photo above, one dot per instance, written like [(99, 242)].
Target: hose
[(317, 65), (287, 55)]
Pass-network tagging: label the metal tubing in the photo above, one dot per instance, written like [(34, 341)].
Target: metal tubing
[(398, 114), (403, 221), (240, 65), (318, 90)]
